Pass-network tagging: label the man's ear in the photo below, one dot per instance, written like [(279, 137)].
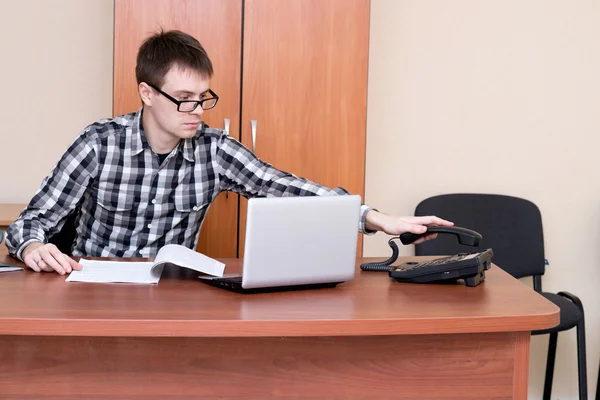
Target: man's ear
[(145, 92)]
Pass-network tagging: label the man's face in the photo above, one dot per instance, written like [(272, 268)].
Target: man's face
[(181, 84)]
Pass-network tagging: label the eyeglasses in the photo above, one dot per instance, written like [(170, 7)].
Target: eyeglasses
[(190, 105)]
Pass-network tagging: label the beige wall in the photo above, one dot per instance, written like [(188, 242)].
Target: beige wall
[(495, 97), (56, 79), (506, 90)]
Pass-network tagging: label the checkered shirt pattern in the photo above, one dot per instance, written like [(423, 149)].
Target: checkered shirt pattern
[(130, 206)]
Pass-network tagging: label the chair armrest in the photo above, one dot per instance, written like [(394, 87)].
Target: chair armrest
[(573, 298)]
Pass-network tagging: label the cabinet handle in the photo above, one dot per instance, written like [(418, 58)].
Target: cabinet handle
[(227, 125), (253, 122)]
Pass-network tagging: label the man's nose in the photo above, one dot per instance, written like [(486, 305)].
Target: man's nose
[(198, 111)]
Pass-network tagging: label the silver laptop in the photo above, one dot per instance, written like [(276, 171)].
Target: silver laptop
[(297, 243)]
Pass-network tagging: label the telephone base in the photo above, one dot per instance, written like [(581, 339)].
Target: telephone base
[(469, 267), (475, 279), (470, 281)]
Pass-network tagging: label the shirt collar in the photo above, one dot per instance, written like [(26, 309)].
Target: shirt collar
[(187, 149), (137, 138), (139, 141)]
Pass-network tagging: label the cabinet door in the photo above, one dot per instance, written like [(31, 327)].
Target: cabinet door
[(305, 83), (217, 25)]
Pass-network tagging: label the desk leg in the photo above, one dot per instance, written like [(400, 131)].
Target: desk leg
[(459, 366), (521, 370)]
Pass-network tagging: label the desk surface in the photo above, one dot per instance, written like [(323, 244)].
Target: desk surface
[(9, 213), (179, 305)]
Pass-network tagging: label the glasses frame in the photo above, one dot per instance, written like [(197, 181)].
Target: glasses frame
[(197, 102)]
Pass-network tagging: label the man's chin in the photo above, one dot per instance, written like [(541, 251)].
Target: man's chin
[(187, 133)]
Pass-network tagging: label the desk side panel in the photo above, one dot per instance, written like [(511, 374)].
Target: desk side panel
[(463, 366)]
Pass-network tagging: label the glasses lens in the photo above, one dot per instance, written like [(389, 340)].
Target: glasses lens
[(187, 106), (209, 103)]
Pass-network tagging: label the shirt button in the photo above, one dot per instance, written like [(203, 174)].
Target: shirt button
[(149, 226), (153, 201)]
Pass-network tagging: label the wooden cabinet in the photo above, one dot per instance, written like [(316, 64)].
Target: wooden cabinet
[(296, 67), (8, 214), (217, 24)]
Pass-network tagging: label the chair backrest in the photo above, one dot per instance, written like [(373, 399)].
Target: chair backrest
[(65, 237), (511, 226)]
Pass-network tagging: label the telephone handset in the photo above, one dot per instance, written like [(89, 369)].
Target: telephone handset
[(465, 236)]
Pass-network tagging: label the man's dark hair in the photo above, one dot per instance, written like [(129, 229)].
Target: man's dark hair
[(164, 49)]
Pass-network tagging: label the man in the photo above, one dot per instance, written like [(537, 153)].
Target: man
[(144, 180)]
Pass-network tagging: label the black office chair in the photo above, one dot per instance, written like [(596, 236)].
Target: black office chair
[(512, 227), (65, 237), (598, 386)]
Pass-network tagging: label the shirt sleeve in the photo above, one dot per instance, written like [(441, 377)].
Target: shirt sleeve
[(58, 195), (242, 172)]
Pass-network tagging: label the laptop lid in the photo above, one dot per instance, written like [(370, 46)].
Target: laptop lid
[(300, 240)]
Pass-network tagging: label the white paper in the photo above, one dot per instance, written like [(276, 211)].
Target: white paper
[(146, 272), (115, 271), (184, 257)]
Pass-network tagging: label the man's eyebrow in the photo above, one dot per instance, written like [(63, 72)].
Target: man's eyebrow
[(180, 92)]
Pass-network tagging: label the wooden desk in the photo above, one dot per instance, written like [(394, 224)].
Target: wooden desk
[(371, 338)]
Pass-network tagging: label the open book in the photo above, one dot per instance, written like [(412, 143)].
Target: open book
[(146, 272)]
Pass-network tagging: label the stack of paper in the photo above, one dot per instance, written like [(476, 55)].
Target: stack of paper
[(115, 271), (146, 272)]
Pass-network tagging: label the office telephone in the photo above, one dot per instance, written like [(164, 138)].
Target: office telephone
[(470, 266)]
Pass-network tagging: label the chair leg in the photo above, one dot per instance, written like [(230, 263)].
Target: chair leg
[(598, 386), (550, 365), (581, 360)]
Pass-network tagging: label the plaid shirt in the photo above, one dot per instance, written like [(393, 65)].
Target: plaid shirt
[(130, 206)]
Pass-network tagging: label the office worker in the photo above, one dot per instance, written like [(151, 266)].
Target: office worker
[(145, 179)]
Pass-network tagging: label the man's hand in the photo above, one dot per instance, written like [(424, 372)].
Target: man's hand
[(47, 257), (393, 225)]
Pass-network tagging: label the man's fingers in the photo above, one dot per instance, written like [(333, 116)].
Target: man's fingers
[(29, 261), (433, 220), (416, 228), (48, 258), (74, 264), (429, 237), (51, 262), (442, 222), (61, 259), (44, 267)]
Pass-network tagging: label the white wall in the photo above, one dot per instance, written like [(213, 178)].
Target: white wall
[(495, 97), (56, 74), (506, 90)]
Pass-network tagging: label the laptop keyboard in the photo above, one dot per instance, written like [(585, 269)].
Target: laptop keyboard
[(231, 279), (234, 283), (231, 282)]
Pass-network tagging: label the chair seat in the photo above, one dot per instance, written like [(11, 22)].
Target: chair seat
[(570, 314)]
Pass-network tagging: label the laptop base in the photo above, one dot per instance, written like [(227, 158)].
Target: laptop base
[(234, 284)]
